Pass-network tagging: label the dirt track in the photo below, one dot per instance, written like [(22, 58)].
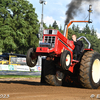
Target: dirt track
[(31, 89)]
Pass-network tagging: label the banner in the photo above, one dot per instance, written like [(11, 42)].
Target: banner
[(18, 60), (36, 68), (14, 68), (10, 67), (4, 67), (20, 68)]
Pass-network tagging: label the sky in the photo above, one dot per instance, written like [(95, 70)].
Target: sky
[(56, 9)]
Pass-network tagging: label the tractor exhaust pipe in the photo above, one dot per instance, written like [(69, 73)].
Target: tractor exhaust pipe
[(65, 29), (67, 26)]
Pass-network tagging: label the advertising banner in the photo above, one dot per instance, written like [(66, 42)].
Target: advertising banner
[(36, 68), (18, 60), (22, 68), (4, 67), (10, 67)]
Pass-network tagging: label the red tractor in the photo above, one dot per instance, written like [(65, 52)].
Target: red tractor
[(61, 67)]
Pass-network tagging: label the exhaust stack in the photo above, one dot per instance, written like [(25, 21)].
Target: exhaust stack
[(65, 29), (67, 26)]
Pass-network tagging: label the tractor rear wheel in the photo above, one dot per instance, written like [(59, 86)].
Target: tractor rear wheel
[(52, 76), (31, 57), (90, 70)]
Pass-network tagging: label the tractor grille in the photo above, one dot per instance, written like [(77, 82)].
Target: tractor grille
[(50, 39)]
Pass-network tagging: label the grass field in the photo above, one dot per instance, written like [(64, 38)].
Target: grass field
[(18, 76)]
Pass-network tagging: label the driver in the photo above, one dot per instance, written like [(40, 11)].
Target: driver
[(78, 47)]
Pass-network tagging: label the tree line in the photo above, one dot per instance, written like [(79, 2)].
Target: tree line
[(19, 26)]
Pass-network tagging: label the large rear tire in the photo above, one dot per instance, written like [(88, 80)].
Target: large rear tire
[(52, 76), (90, 70), (31, 57)]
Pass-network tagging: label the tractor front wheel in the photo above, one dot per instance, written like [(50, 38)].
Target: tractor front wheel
[(90, 70), (65, 60), (31, 57)]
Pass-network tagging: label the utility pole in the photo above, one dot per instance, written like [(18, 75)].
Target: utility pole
[(41, 24)]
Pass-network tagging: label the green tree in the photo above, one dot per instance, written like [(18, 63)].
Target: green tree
[(45, 26), (73, 27), (50, 27), (18, 26), (62, 31), (87, 29), (76, 29), (93, 32), (70, 33), (55, 25)]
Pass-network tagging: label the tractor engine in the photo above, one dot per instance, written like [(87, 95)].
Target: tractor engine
[(54, 43)]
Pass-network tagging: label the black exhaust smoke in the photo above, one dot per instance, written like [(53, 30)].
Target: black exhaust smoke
[(73, 8)]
